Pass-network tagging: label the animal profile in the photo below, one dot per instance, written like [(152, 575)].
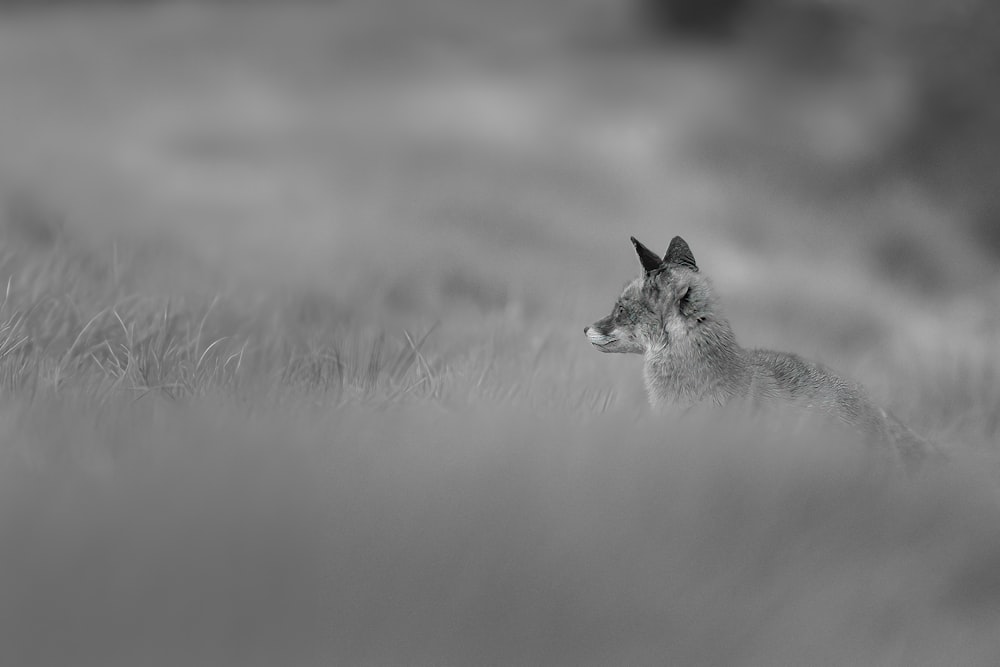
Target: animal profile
[(670, 315)]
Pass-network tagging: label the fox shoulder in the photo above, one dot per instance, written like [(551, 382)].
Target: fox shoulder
[(791, 375)]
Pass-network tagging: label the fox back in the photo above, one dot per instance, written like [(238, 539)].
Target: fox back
[(669, 315)]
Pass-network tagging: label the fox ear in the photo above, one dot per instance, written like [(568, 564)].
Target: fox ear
[(650, 260), (680, 253)]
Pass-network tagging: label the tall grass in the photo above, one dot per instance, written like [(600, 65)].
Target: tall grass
[(184, 480)]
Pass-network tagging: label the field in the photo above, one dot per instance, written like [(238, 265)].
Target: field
[(292, 368)]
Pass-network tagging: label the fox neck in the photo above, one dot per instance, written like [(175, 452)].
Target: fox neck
[(704, 364)]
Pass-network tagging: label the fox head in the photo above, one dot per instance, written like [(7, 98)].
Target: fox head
[(660, 308)]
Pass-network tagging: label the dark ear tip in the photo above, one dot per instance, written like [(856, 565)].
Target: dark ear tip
[(680, 253), (634, 241), (650, 260)]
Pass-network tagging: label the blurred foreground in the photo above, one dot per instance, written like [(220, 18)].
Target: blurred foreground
[(493, 537)]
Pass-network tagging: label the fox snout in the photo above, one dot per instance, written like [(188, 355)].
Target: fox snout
[(601, 340), (607, 336)]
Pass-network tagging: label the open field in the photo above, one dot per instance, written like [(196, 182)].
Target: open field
[(292, 367)]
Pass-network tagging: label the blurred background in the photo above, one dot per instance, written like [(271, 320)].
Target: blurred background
[(298, 132), (830, 163)]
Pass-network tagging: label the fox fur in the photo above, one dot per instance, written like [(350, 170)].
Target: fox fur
[(670, 316)]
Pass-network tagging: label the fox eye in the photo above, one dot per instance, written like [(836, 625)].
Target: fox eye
[(625, 314)]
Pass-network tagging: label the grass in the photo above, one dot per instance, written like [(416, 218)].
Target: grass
[(187, 481), (341, 409)]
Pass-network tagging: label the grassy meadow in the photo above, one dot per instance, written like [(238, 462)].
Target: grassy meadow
[(292, 368)]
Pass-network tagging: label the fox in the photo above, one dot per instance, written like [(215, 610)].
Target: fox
[(671, 316)]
